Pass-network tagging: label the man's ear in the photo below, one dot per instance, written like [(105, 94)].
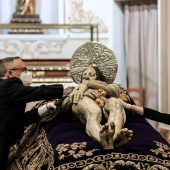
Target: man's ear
[(9, 74)]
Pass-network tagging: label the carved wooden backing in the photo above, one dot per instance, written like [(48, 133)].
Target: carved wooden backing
[(138, 95)]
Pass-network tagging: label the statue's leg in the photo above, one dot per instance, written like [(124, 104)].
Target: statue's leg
[(106, 135), (26, 7), (117, 115), (32, 7), (123, 137), (115, 112), (113, 131), (90, 113)]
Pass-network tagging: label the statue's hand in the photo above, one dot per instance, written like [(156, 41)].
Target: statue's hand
[(74, 95), (92, 93), (77, 93)]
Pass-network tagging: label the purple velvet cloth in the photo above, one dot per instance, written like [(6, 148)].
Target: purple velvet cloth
[(144, 135), (68, 130)]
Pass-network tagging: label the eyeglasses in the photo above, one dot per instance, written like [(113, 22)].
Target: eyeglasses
[(23, 69)]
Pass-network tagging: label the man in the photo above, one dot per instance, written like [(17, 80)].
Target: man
[(15, 92)]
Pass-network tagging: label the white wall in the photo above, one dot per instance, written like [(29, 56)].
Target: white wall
[(116, 32)]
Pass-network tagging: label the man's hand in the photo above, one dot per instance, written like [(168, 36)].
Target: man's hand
[(68, 90), (46, 107), (125, 105)]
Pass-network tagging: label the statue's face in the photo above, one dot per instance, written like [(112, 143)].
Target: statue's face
[(89, 74)]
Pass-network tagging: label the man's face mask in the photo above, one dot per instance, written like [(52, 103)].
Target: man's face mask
[(26, 78)]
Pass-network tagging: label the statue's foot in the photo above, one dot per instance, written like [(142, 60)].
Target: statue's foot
[(122, 137), (106, 135)]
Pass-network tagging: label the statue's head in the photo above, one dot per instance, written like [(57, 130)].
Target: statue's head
[(96, 55), (92, 73)]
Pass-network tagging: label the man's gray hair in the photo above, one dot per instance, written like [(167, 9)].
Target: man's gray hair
[(6, 64)]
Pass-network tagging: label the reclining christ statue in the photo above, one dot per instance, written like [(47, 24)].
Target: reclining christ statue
[(59, 140), (94, 97)]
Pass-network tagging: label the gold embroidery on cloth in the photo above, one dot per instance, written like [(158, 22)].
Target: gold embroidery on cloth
[(110, 161), (162, 149), (66, 150), (39, 153), (129, 164), (33, 151)]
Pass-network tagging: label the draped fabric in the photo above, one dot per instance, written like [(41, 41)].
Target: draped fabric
[(60, 142), (141, 49), (73, 149)]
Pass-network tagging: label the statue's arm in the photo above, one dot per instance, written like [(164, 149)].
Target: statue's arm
[(113, 90)]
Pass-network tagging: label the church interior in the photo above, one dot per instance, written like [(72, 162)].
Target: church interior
[(46, 35)]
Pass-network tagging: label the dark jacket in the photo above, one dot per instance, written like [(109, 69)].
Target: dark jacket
[(157, 116), (13, 99)]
